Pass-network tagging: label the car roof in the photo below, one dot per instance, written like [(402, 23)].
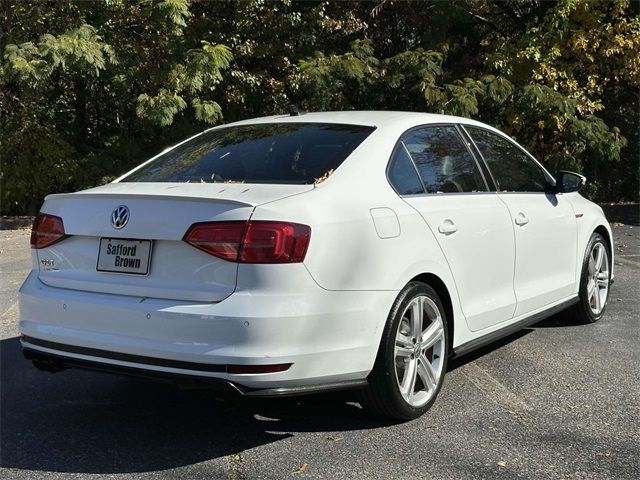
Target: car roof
[(373, 118)]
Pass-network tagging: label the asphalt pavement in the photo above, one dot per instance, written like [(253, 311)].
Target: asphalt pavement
[(557, 400)]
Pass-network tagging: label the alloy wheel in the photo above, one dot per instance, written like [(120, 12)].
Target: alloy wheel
[(598, 279), (419, 351)]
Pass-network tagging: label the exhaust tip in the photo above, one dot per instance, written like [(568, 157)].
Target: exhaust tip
[(44, 365)]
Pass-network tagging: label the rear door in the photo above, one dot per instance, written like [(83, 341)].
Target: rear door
[(544, 223), (471, 224)]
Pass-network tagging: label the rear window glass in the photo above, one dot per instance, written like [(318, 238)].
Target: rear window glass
[(266, 153)]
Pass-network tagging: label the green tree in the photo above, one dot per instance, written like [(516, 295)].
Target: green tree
[(89, 89), (561, 77)]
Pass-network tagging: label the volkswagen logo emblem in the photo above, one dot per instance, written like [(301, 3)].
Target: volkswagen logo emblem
[(119, 217)]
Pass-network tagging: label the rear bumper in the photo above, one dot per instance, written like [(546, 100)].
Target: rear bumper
[(330, 338), (58, 362)]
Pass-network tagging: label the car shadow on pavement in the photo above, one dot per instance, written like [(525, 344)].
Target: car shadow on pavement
[(83, 422), (559, 320), (458, 362)]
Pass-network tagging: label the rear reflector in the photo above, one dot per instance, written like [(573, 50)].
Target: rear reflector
[(279, 367), (252, 241), (47, 230)]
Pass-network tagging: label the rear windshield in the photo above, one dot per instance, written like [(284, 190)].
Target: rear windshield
[(267, 153)]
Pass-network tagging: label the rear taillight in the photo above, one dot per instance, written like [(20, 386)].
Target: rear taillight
[(274, 242), (221, 239), (47, 230), (251, 242)]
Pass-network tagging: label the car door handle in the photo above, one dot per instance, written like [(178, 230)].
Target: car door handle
[(447, 228), (521, 219)]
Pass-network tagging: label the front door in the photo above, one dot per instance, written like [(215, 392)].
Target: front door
[(544, 223)]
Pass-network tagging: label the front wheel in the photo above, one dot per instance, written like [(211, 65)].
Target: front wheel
[(412, 359), (594, 281)]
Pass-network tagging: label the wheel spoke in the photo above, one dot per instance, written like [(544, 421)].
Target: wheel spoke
[(591, 290), (432, 335), (404, 345), (417, 314), (409, 379), (403, 340), (592, 265), (603, 283), (598, 306), (425, 370), (599, 251), (403, 352)]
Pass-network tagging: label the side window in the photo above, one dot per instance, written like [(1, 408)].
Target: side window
[(402, 173), (443, 161), (512, 169)]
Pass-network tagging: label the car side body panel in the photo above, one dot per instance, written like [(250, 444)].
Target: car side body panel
[(545, 248)]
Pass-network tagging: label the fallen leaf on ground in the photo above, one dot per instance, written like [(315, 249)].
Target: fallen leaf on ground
[(303, 468), (603, 454), (516, 414), (334, 439), (502, 463)]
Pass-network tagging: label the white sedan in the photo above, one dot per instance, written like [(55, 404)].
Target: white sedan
[(303, 253)]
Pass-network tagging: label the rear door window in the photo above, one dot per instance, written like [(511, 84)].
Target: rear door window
[(402, 173), (298, 153), (443, 161)]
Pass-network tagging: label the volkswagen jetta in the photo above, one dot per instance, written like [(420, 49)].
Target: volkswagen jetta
[(303, 253)]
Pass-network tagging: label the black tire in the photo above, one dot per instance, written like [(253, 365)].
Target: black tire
[(382, 396), (581, 311)]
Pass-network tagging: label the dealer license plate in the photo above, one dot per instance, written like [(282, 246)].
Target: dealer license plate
[(124, 256)]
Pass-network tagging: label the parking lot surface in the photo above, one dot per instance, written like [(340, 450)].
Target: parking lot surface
[(557, 400)]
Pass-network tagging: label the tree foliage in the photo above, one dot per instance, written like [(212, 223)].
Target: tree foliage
[(89, 89)]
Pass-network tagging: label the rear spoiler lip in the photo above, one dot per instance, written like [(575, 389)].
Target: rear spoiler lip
[(75, 195), (242, 194)]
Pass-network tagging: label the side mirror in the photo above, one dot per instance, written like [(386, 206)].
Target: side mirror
[(567, 182)]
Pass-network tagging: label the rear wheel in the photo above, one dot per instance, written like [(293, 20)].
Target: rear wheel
[(412, 358), (594, 281)]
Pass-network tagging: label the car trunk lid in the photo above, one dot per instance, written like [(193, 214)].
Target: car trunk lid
[(159, 216)]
